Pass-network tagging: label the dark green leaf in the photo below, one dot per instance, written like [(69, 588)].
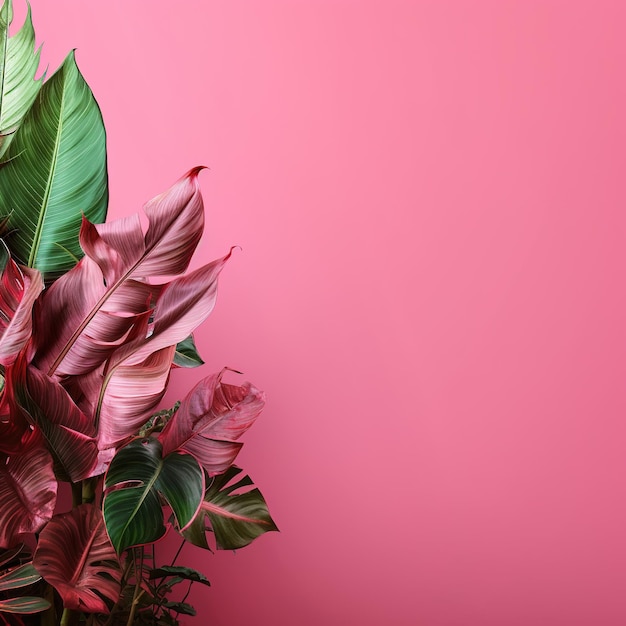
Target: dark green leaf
[(181, 607), (181, 572), (55, 172), (236, 518), (136, 477), (187, 354)]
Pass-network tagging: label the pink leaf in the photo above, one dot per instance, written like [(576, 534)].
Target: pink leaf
[(75, 556), (210, 420), (129, 396), (74, 334), (28, 490), (176, 220), (19, 287), (182, 306)]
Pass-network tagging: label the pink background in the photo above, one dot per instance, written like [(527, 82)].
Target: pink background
[(430, 201)]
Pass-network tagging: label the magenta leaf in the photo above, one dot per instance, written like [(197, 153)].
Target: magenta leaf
[(211, 419), (87, 311), (19, 287), (68, 432), (76, 557), (28, 490)]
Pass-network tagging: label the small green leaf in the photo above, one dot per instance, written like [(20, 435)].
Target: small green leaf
[(181, 572), (55, 172), (137, 475), (181, 607), (19, 577), (24, 605), (187, 354)]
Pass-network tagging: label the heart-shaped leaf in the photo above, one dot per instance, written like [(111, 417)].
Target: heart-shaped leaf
[(137, 477), (75, 556), (236, 518), (28, 490), (55, 172)]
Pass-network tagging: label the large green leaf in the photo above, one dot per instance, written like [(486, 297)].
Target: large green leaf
[(136, 476), (236, 518), (18, 65), (55, 172)]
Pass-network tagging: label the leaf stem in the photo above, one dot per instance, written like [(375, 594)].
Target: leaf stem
[(136, 595)]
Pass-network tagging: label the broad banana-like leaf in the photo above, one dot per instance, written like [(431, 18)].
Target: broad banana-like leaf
[(210, 420), (235, 518), (187, 354), (18, 65), (68, 432), (21, 576), (18, 291), (28, 490), (55, 172), (75, 556), (24, 605), (136, 477), (125, 259)]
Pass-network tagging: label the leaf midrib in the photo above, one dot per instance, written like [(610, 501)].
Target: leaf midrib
[(107, 294), (5, 47), (148, 488), (44, 203)]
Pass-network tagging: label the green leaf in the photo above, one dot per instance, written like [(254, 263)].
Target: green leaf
[(25, 604), (56, 171), (18, 65), (19, 577), (236, 518), (180, 572), (180, 607), (136, 477), (187, 354)]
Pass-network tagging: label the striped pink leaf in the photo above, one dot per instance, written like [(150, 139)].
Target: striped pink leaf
[(211, 419)]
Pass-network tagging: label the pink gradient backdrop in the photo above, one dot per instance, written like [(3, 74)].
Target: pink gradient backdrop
[(430, 200)]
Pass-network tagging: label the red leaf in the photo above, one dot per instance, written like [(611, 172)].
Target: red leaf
[(69, 433), (75, 556), (19, 287), (28, 490), (210, 420)]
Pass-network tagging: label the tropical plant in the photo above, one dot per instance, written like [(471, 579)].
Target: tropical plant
[(93, 317)]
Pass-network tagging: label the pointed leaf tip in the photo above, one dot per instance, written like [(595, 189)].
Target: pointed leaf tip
[(194, 171)]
